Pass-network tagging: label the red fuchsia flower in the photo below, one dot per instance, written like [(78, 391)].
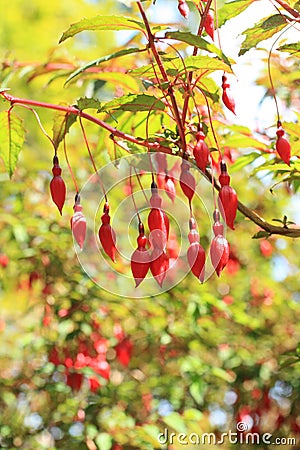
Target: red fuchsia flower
[(183, 8), (140, 258), (209, 24), (187, 180), (219, 249), (158, 220), (227, 97), (170, 188), (78, 223), (196, 253), (283, 146), (201, 151), (107, 235), (57, 186), (227, 198)]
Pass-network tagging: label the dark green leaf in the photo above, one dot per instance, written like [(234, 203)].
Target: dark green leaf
[(12, 136), (263, 30), (102, 23), (198, 42), (98, 61), (261, 234), (290, 48), (141, 102), (85, 103), (61, 126), (232, 9)]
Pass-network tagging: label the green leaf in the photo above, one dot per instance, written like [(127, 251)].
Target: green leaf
[(291, 48), (104, 441), (98, 61), (261, 234), (86, 103), (261, 31), (198, 42), (12, 136), (175, 421), (102, 23), (244, 161), (200, 62), (61, 126), (132, 102), (232, 9)]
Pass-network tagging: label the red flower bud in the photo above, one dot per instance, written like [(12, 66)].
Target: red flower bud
[(183, 8), (57, 186), (201, 151), (170, 188), (187, 181), (107, 235), (283, 146), (219, 253), (228, 204), (140, 258), (209, 24), (78, 223)]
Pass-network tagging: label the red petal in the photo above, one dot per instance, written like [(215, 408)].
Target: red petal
[(209, 24), (201, 154), (58, 192), (228, 204), (196, 260), (219, 253), (159, 265), (78, 225), (228, 100), (187, 183), (140, 263), (107, 238), (283, 148)]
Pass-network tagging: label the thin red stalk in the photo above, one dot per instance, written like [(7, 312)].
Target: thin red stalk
[(164, 75), (69, 165), (200, 30), (132, 196), (91, 156), (289, 9), (141, 186)]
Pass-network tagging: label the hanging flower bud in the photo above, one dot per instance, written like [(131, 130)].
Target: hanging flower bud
[(158, 220), (227, 198), (170, 188), (183, 8), (57, 186), (209, 24), (78, 223), (195, 253), (201, 151), (283, 146), (107, 235), (227, 98), (187, 180), (140, 259), (219, 249), (159, 265)]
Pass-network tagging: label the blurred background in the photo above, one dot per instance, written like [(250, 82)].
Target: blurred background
[(83, 369)]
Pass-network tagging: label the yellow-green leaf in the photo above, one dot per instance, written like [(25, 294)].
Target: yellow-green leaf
[(61, 125), (102, 23), (12, 136)]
